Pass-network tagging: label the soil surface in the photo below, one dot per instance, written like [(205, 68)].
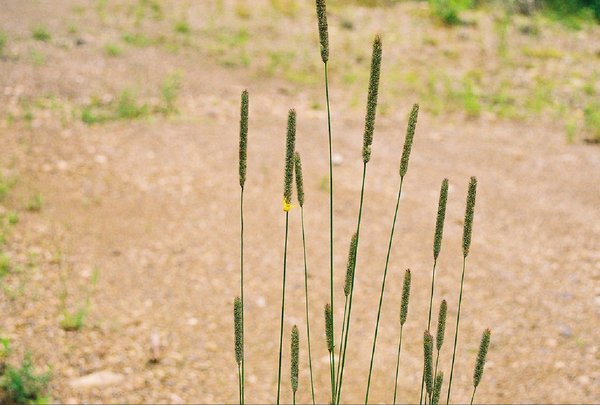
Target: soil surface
[(151, 205)]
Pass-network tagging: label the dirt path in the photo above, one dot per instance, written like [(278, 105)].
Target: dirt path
[(153, 205)]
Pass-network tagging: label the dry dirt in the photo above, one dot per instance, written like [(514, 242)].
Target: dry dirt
[(152, 204)]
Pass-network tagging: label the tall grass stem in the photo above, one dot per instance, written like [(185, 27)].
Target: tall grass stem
[(387, 261)]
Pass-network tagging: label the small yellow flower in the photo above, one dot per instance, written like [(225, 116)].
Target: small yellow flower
[(287, 206)]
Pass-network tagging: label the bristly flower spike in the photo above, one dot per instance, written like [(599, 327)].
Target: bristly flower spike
[(299, 180), (469, 216), (428, 356), (408, 141), (441, 327), (439, 223), (437, 388), (237, 323), (480, 363), (323, 30), (372, 99), (295, 347), (289, 159), (243, 137), (405, 297), (483, 349), (328, 328), (351, 265)]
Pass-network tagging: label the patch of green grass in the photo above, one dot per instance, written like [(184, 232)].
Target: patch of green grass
[(38, 58), (12, 218), (170, 92), (182, 27), (3, 41), (40, 33), (73, 321), (4, 264), (21, 385), (137, 39), (35, 203), (128, 107), (448, 11), (591, 115), (6, 184), (542, 53), (113, 50)]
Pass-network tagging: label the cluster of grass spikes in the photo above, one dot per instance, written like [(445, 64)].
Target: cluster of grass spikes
[(432, 375)]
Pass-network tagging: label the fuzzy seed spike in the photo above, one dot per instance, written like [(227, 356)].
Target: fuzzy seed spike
[(408, 141), (295, 348), (289, 158), (323, 30), (481, 356), (437, 388), (299, 180), (237, 323), (439, 223), (428, 356), (329, 327), (441, 328), (351, 265), (405, 297), (372, 99), (243, 137), (469, 211)]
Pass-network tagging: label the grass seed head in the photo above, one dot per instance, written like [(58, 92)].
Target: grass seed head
[(405, 297), (323, 30), (243, 137), (439, 223), (441, 327), (295, 347), (428, 355), (299, 180), (481, 355), (437, 388), (469, 211), (408, 141), (237, 323), (329, 327), (372, 99), (290, 147), (351, 265)]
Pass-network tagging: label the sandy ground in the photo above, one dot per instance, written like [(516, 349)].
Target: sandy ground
[(153, 205)]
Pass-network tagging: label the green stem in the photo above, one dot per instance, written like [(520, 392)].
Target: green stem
[(398, 363), (287, 215), (387, 261), (242, 285), (429, 320), (312, 387), (341, 341), (343, 360), (332, 364), (331, 375), (294, 398), (462, 279), (473, 396), (240, 384)]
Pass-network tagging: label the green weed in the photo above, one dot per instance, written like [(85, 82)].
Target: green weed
[(21, 385), (3, 41), (4, 264), (182, 27), (170, 92), (40, 33), (113, 50), (35, 203), (136, 39), (592, 120)]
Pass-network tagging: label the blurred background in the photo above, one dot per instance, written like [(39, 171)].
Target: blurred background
[(119, 224)]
